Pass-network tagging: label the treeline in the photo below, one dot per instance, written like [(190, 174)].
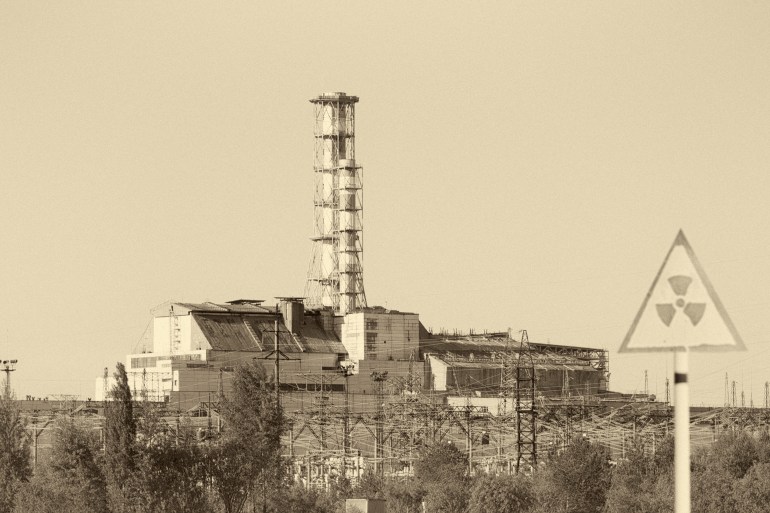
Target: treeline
[(141, 466)]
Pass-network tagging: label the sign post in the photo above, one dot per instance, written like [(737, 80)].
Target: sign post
[(681, 313)]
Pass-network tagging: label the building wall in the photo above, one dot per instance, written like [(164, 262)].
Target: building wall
[(436, 373), (369, 335), (189, 336)]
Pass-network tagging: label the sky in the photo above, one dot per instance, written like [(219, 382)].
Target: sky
[(527, 165)]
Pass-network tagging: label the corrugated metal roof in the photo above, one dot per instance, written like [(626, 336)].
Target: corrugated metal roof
[(224, 308), (242, 331), (316, 340), (265, 330), (227, 332)]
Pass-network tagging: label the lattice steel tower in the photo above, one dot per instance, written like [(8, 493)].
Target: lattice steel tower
[(335, 276)]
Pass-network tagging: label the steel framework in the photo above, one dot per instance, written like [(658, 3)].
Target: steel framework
[(335, 275), (526, 409)]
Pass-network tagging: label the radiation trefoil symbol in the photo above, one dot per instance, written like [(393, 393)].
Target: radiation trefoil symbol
[(667, 311)]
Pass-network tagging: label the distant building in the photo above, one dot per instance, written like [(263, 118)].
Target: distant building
[(196, 346)]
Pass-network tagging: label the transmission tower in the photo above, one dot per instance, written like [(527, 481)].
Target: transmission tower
[(526, 412)]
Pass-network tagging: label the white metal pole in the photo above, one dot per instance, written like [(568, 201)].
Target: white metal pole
[(681, 433)]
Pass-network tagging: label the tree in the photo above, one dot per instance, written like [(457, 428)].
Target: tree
[(251, 442), (40, 496), (75, 462), (14, 451), (575, 481), (634, 485), (712, 489), (752, 494), (71, 481), (370, 486), (403, 497), (296, 499), (169, 472), (119, 443), (501, 494), (224, 462), (441, 472), (736, 452)]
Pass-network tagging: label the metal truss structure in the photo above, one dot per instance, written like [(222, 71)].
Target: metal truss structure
[(335, 275), (389, 437)]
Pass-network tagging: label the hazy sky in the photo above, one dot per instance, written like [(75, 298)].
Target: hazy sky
[(526, 165)]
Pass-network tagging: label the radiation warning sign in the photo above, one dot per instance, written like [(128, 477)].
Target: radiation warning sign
[(682, 310)]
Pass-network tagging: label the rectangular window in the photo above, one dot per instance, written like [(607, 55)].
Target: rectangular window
[(143, 362), (370, 345), (371, 324)]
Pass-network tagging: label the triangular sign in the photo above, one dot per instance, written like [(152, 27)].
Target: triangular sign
[(682, 310)]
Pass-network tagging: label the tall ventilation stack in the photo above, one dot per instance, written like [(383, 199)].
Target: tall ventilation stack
[(335, 277)]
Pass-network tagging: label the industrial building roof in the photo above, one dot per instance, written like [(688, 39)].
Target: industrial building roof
[(474, 344), (234, 307), (235, 331), (227, 332), (538, 363)]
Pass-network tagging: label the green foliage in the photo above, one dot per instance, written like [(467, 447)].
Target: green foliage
[(639, 482), (224, 462), (501, 494), (71, 480), (575, 481), (712, 489), (120, 450), (296, 499), (247, 460), (735, 452), (42, 495), (752, 493), (76, 465), (441, 473), (403, 497), (169, 474), (441, 464), (14, 452), (370, 486)]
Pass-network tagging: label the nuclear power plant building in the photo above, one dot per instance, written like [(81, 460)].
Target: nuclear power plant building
[(329, 345)]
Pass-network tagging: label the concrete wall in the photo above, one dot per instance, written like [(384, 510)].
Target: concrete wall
[(189, 335), (380, 336)]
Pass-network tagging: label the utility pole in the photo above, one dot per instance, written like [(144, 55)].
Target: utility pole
[(347, 370), (469, 437), (734, 403), (8, 366), (668, 393), (220, 398), (277, 360), (646, 388), (379, 379), (767, 394), (277, 355)]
